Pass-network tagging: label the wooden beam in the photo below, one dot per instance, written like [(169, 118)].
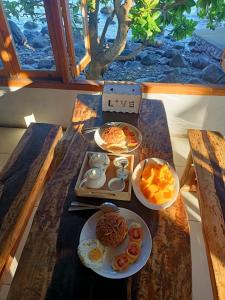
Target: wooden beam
[(58, 39), (7, 47)]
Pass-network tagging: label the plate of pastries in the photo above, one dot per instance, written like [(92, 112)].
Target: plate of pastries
[(115, 244), (118, 137)]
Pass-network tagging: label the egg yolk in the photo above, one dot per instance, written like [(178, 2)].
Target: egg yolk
[(95, 254)]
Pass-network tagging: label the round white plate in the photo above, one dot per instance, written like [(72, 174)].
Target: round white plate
[(136, 179), (103, 145), (89, 232)]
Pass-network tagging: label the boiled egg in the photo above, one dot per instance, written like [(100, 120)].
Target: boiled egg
[(91, 253)]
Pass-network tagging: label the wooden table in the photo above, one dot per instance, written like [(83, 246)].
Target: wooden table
[(50, 268)]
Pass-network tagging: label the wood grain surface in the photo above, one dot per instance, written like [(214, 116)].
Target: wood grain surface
[(50, 268), (208, 152), (21, 180)]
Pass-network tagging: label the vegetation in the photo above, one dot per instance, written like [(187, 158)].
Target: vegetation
[(146, 18)]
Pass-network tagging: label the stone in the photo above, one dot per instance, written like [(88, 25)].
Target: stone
[(197, 49), (200, 62), (44, 30), (192, 43), (29, 61), (106, 10), (195, 80), (30, 35), (148, 60), (179, 45), (18, 36), (222, 80), (40, 42), (30, 25), (212, 73), (170, 53), (144, 79), (126, 52), (163, 61), (141, 54), (45, 63), (132, 65), (177, 61)]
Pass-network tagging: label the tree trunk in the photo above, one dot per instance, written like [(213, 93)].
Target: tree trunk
[(100, 56)]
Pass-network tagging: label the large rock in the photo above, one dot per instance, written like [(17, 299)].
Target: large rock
[(200, 62), (179, 45), (148, 60), (163, 61), (212, 73), (30, 25), (132, 65), (18, 36), (170, 53), (177, 61), (30, 35), (29, 61), (141, 54), (222, 80), (195, 81), (44, 30), (45, 63), (39, 42), (106, 10), (126, 52)]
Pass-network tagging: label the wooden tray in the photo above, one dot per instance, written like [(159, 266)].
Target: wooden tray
[(104, 191)]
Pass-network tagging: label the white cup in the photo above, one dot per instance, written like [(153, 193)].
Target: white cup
[(94, 178), (99, 160)]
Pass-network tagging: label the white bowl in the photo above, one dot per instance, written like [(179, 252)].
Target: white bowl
[(136, 180)]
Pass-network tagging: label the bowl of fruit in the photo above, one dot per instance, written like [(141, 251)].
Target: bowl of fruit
[(155, 183)]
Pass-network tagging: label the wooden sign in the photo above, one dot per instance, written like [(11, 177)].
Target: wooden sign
[(120, 97)]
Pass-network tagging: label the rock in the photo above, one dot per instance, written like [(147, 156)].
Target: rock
[(195, 80), (197, 49), (29, 61), (132, 65), (179, 45), (44, 30), (212, 73), (200, 62), (30, 25), (163, 61), (106, 10), (159, 52), (144, 79), (30, 35), (192, 43), (39, 42), (148, 60), (170, 53), (45, 63), (177, 61), (141, 54), (18, 36), (126, 52), (168, 78), (222, 80)]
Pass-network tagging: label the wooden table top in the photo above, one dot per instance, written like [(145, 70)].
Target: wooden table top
[(49, 267)]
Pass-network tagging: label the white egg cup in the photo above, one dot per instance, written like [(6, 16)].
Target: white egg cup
[(94, 178), (99, 160)]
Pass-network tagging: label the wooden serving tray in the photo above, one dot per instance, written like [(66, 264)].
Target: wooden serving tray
[(104, 191)]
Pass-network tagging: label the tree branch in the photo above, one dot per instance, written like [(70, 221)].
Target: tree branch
[(107, 23), (131, 55), (93, 28)]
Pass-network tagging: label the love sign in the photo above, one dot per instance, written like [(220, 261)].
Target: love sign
[(121, 97)]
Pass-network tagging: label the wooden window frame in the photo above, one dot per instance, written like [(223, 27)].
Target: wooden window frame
[(57, 14)]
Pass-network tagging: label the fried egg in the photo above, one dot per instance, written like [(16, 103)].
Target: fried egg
[(91, 253)]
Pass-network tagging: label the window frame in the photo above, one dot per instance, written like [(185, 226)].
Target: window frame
[(66, 67)]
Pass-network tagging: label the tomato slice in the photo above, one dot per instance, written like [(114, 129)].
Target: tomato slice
[(133, 249), (136, 233), (122, 260)]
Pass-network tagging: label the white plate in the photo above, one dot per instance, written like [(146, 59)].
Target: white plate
[(89, 232), (103, 145), (136, 179)]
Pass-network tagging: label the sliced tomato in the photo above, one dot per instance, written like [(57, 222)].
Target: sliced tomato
[(120, 262), (133, 249), (136, 234)]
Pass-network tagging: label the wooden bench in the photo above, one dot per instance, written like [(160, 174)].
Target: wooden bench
[(208, 157), (21, 181)]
